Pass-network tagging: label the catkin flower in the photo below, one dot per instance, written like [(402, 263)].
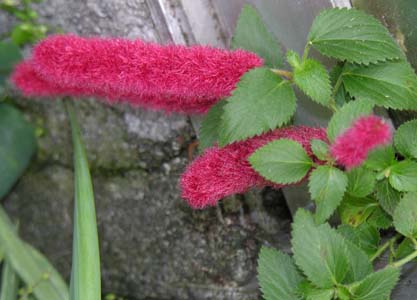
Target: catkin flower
[(174, 78), (220, 172), (351, 148)]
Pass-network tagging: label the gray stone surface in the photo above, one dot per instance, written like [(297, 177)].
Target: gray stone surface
[(152, 245)]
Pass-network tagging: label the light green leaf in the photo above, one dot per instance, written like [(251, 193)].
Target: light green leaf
[(327, 186), (387, 197), (361, 182), (261, 101), (352, 35), (343, 119), (403, 176), (320, 149), (380, 158), (312, 78), (278, 277), (355, 211), (405, 215), (251, 34), (376, 286), (17, 146), (319, 251), (392, 84), (9, 283), (364, 236), (85, 273), (405, 139), (210, 126), (281, 161)]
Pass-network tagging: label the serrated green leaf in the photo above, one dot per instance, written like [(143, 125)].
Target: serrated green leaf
[(405, 139), (361, 182), (360, 265), (278, 277), (403, 176), (251, 34), (342, 119), (352, 35), (405, 215), (312, 78), (320, 149), (355, 211), (327, 186), (392, 84), (261, 101), (365, 237), (380, 158), (210, 126), (376, 286), (281, 161), (387, 197), (310, 292), (380, 219)]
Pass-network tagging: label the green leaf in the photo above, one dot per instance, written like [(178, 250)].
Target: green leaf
[(405, 248), (365, 237), (281, 161), (355, 211), (17, 146), (30, 268), (352, 35), (320, 149), (261, 101), (405, 215), (376, 286), (392, 84), (343, 119), (380, 219), (405, 139), (310, 292), (85, 273), (403, 176), (387, 197), (380, 158), (9, 283), (360, 266), (278, 277), (210, 126), (251, 34), (341, 97), (327, 186), (361, 182), (9, 56), (312, 78)]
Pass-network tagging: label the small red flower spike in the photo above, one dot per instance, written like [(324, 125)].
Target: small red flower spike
[(221, 172), (351, 148)]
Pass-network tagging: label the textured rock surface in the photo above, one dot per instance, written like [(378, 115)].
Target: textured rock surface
[(152, 245)]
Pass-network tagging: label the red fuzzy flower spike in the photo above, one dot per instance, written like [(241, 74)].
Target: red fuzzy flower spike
[(351, 148), (221, 172), (174, 78)]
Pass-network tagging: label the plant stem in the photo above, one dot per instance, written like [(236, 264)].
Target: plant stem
[(384, 247), (405, 260), (284, 73)]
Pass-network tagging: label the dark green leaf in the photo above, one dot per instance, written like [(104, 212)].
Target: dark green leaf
[(9, 56), (387, 197), (364, 236), (320, 149), (210, 126), (376, 286), (261, 101), (352, 35), (380, 219), (403, 176), (405, 139), (327, 186), (281, 161), (341, 96), (342, 119), (278, 277), (405, 215), (392, 84), (361, 182), (17, 146), (381, 159), (359, 264), (355, 211), (251, 34)]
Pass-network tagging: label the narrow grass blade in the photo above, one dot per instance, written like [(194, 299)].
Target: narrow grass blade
[(85, 274), (9, 283)]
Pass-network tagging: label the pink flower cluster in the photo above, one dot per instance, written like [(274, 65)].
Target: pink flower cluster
[(351, 148), (172, 78)]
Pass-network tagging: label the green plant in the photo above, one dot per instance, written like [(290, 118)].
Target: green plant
[(368, 190)]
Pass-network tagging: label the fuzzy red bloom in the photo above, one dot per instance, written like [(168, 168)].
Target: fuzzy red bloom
[(174, 78), (221, 172), (351, 148)]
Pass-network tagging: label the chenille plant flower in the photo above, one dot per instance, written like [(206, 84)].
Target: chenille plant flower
[(358, 168)]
